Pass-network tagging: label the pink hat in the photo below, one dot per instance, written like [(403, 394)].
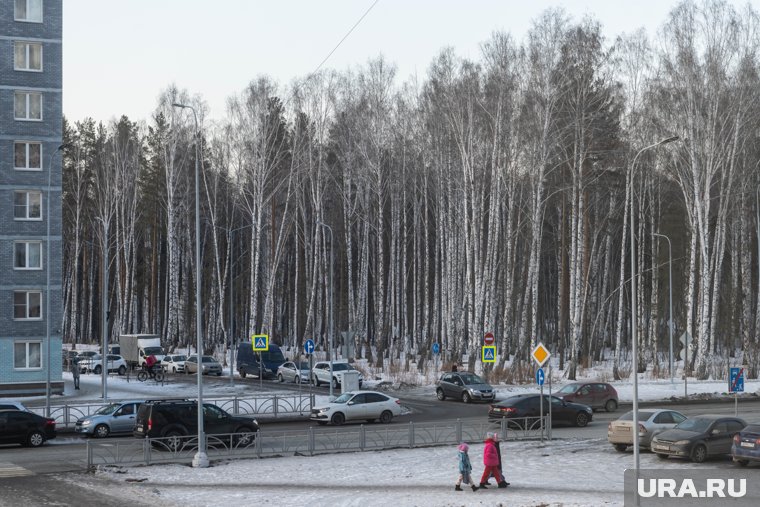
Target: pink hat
[(463, 447)]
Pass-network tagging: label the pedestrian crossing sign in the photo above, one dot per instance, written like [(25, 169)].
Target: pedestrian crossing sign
[(260, 342), (489, 354)]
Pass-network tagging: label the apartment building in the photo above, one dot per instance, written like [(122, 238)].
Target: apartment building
[(30, 196)]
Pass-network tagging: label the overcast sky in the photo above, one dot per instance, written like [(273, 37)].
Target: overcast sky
[(119, 55)]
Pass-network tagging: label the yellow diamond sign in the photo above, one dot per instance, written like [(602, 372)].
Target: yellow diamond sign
[(540, 354)]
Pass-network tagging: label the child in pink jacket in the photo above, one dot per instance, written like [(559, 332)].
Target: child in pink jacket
[(491, 462)]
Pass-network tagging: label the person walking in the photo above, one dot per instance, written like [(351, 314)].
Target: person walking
[(497, 441), (491, 462), (465, 468), (75, 372)]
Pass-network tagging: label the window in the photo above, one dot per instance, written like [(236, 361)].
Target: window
[(28, 56), (27, 305), (26, 355), (27, 205), (28, 106), (28, 10), (27, 156), (27, 255)]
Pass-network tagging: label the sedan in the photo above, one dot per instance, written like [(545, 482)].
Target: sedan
[(357, 406), (463, 386), (174, 363), (651, 423), (698, 438), (293, 372), (596, 395), (25, 428), (524, 411), (113, 418), (95, 364), (210, 365), (746, 446)]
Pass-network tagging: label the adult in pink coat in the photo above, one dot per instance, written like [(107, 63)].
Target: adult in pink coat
[(491, 462)]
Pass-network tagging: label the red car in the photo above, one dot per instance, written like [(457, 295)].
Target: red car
[(594, 394)]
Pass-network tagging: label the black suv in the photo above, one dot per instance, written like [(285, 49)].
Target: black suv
[(176, 419)]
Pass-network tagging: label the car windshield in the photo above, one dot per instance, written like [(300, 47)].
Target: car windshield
[(342, 367), (108, 409), (644, 415), (153, 351), (178, 358), (208, 359), (696, 425), (343, 398), (569, 389), (471, 379), (303, 365)]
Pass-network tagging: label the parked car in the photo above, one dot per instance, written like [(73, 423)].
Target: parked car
[(176, 419), (12, 405), (174, 363), (746, 445), (651, 423), (357, 405), (293, 372), (86, 354), (209, 365), (320, 374), (113, 418), (525, 409), (596, 395), (698, 437), (95, 364), (464, 386), (25, 428)]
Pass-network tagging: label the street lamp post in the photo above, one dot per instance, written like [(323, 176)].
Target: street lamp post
[(670, 302), (634, 334), (332, 304), (47, 286), (104, 310), (200, 460)]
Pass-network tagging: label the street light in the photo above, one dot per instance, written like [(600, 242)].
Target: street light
[(634, 334), (200, 460), (670, 302), (47, 289), (104, 305), (332, 305)]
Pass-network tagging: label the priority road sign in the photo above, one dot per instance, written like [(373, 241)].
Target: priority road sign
[(488, 339), (260, 342), (489, 354), (736, 381), (540, 376), (308, 346), (540, 354), (436, 348)]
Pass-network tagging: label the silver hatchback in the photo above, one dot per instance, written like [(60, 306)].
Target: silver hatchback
[(113, 418), (210, 366), (465, 386)]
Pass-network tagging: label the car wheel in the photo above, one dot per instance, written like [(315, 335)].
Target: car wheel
[(610, 406), (297, 380), (279, 377), (620, 447), (662, 456), (466, 398), (101, 431), (122, 369), (247, 436), (699, 454), (97, 370), (338, 419), (315, 380), (242, 373), (35, 439), (386, 417), (742, 462), (581, 419), (439, 394), (173, 440)]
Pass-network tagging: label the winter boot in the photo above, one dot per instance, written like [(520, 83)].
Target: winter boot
[(457, 488), (503, 484), (483, 485), (474, 487)]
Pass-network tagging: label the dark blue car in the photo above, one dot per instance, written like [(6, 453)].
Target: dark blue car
[(746, 446)]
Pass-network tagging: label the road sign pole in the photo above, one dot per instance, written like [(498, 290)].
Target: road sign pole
[(549, 429), (736, 404), (541, 413)]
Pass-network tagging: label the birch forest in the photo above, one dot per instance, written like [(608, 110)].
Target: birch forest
[(491, 195)]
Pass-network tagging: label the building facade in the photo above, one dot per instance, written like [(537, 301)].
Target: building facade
[(31, 126)]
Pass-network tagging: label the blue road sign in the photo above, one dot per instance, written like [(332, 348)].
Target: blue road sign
[(489, 354), (260, 342), (540, 376), (308, 346), (736, 381), (436, 348)]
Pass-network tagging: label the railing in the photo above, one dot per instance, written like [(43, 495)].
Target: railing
[(309, 442), (277, 406)]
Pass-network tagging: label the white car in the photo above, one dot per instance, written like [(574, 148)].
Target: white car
[(320, 374), (115, 363), (358, 406), (293, 372), (174, 363)]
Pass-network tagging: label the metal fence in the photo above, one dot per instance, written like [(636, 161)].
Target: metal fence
[(307, 442), (265, 407)]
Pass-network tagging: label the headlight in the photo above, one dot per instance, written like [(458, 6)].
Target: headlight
[(323, 410), (86, 422), (681, 442), (473, 391)]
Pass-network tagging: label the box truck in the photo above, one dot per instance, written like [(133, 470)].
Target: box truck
[(135, 348)]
